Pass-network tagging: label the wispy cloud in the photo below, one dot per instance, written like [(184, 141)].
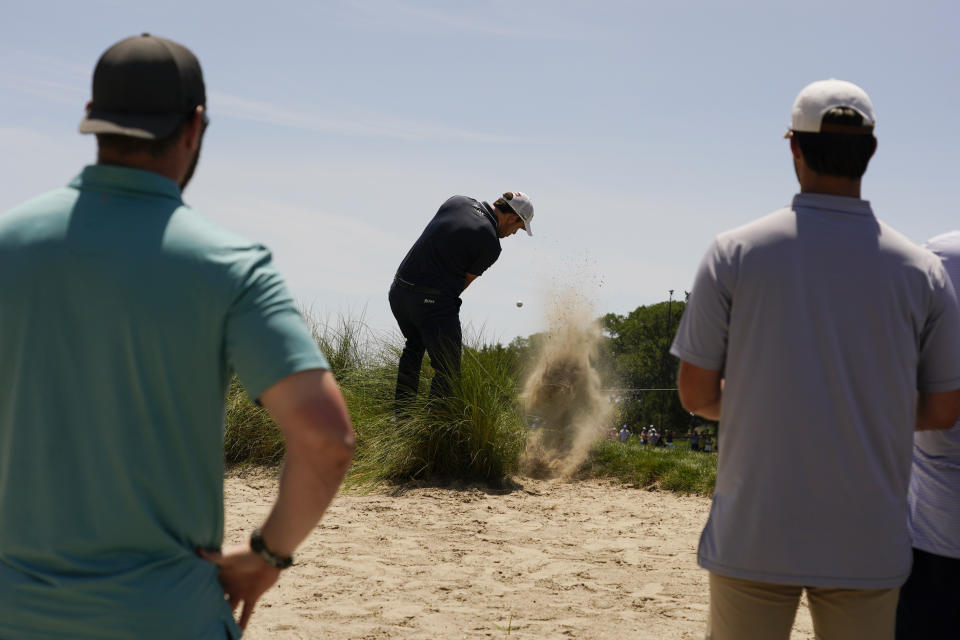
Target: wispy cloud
[(62, 82), (48, 78), (371, 125), (48, 90)]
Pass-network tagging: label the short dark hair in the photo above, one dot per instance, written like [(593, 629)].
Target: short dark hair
[(837, 154), (504, 207), (127, 145)]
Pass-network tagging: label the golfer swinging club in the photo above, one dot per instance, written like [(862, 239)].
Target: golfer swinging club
[(459, 244)]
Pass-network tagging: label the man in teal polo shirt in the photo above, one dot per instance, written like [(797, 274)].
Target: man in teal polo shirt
[(122, 315)]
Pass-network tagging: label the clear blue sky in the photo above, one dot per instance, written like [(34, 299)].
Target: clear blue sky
[(640, 129)]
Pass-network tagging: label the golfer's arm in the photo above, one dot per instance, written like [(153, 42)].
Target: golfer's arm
[(312, 415), (700, 390), (470, 278), (938, 410)]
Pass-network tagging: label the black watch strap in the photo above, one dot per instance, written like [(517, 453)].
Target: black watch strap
[(258, 546)]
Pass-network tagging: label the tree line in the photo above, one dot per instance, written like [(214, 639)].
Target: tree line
[(635, 362)]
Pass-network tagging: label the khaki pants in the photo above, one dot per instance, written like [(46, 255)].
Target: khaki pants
[(745, 610)]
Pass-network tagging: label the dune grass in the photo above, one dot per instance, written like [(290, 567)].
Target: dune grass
[(477, 434), (674, 469), (250, 436)]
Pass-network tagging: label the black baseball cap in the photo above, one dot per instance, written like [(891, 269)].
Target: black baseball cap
[(144, 87)]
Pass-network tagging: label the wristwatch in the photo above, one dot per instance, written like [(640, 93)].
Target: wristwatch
[(257, 545)]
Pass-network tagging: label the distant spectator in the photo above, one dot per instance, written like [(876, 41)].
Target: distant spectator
[(654, 437), (624, 433), (643, 436), (707, 443), (669, 437), (695, 441)]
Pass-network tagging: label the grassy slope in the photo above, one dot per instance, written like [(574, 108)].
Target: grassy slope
[(477, 435), (674, 469)]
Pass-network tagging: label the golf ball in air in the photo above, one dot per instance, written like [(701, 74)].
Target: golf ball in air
[(519, 303)]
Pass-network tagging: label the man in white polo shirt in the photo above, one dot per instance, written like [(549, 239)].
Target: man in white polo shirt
[(928, 601), (816, 323)]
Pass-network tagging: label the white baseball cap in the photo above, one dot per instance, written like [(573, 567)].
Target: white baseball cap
[(817, 98), (520, 204)]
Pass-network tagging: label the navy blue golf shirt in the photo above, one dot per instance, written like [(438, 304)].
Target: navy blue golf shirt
[(460, 239)]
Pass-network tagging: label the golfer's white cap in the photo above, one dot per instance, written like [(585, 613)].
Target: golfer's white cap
[(817, 98), (520, 203)]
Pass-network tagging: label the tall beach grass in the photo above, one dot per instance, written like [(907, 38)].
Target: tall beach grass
[(476, 434)]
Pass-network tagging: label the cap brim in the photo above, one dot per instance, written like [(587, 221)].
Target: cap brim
[(151, 126)]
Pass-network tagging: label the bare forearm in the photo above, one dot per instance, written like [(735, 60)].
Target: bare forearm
[(937, 410), (710, 411), (311, 413), (701, 390), (307, 487)]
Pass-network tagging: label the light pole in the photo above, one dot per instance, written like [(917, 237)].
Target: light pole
[(669, 309), (663, 357)]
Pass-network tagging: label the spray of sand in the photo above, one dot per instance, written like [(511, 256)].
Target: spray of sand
[(564, 391)]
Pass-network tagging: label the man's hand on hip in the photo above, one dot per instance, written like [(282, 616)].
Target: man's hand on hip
[(244, 576)]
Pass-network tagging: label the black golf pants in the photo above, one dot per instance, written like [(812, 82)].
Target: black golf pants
[(429, 323)]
